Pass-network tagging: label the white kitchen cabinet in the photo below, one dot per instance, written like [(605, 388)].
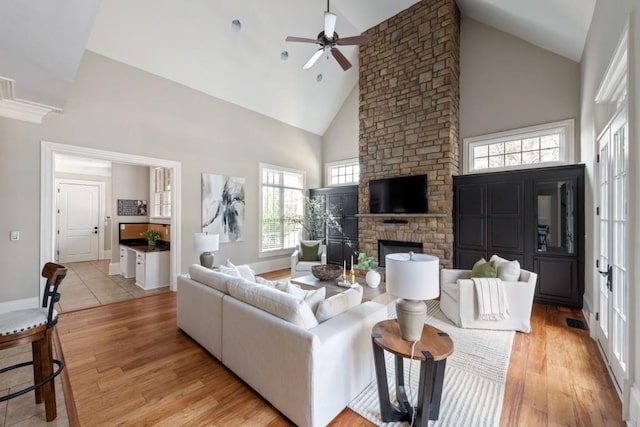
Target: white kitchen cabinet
[(127, 262), (152, 269)]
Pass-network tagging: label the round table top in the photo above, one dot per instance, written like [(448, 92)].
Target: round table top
[(386, 334)]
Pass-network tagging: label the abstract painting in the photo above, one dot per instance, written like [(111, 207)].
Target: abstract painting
[(223, 206)]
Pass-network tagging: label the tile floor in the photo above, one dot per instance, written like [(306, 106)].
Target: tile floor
[(87, 285)]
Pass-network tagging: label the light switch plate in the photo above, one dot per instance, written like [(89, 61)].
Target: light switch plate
[(15, 235)]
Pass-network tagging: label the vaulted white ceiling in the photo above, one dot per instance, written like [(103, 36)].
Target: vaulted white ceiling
[(193, 43)]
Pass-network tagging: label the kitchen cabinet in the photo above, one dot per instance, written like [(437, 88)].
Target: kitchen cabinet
[(152, 269), (127, 262), (535, 216)]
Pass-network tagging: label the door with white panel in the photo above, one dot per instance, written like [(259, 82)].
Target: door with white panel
[(78, 222)]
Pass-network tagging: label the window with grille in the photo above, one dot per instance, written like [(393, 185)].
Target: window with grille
[(160, 192), (535, 146), (344, 172), (282, 194)]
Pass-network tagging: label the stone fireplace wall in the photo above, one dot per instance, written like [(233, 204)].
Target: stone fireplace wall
[(409, 97)]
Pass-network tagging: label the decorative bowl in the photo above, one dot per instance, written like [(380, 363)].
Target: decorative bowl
[(326, 271)]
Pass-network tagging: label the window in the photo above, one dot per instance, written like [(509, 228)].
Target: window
[(344, 172), (531, 147), (282, 193), (160, 192)]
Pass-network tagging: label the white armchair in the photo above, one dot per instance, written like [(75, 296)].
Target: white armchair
[(459, 302), (301, 268)]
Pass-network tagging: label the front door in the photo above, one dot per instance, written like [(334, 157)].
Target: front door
[(78, 222), (613, 290)]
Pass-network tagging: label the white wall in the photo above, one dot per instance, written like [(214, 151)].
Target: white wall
[(606, 28), (118, 108), (507, 83)]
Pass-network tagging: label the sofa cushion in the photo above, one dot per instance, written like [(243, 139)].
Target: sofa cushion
[(484, 268), (212, 278), (229, 271), (312, 297), (339, 303), (508, 271), (305, 265), (273, 301), (451, 289)]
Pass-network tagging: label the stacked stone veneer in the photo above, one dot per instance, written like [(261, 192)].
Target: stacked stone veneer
[(409, 97)]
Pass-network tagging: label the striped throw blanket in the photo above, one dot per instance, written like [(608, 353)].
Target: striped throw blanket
[(492, 301)]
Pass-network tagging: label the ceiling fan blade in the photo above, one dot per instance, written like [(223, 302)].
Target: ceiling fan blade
[(300, 39), (313, 59), (342, 60), (329, 24), (362, 39)]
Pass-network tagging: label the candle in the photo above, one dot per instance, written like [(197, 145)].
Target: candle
[(352, 262), (344, 265)]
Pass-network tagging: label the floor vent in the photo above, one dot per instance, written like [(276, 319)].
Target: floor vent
[(575, 323)]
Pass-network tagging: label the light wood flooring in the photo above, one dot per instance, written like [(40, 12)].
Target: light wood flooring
[(129, 364)]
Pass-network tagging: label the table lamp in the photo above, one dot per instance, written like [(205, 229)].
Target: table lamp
[(413, 278), (206, 244)]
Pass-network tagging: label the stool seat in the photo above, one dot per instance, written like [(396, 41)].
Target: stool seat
[(22, 320)]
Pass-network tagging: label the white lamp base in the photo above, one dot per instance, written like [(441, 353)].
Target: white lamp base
[(411, 317), (206, 259)]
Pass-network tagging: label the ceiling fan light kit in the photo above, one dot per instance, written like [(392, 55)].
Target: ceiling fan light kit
[(328, 39)]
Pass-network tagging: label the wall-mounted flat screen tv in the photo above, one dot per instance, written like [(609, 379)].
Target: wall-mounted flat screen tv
[(406, 194)]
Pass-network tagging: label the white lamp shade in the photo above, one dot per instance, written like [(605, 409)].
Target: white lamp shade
[(413, 276), (206, 242)]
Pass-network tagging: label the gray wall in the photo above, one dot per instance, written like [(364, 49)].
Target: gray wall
[(340, 141), (605, 31), (507, 83), (122, 109), (129, 182)]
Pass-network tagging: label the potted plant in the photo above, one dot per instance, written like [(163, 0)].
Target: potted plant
[(314, 218), (369, 263), (151, 236)]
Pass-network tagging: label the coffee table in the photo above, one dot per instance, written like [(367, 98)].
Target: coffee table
[(311, 282)]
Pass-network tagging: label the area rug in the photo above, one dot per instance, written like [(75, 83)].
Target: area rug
[(474, 380)]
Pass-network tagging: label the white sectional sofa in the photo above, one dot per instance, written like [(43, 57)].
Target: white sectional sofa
[(309, 371)]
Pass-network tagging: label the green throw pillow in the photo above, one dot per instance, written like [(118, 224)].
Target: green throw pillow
[(309, 252), (482, 268)]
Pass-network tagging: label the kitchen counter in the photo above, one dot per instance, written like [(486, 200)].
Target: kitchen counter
[(142, 246)]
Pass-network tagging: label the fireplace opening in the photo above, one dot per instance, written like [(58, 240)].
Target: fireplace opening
[(386, 247)]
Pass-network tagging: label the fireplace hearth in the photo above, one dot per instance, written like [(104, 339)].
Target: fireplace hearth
[(386, 247)]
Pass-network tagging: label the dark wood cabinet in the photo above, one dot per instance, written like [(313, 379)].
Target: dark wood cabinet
[(342, 242), (535, 216)]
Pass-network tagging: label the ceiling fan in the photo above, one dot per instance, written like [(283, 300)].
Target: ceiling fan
[(328, 39)]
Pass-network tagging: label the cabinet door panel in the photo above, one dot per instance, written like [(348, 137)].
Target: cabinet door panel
[(334, 251), (470, 200), (470, 233), (558, 281), (465, 259), (505, 233), (350, 227), (505, 198)]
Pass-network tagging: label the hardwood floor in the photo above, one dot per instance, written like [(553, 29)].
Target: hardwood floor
[(129, 364)]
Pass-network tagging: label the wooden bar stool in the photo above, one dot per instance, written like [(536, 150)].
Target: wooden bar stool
[(35, 325)]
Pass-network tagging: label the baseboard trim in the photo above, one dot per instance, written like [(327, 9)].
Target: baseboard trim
[(634, 406), (114, 268), (19, 304), (271, 265)]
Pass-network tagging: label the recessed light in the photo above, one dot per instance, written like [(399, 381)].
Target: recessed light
[(319, 77), (236, 25), (284, 55)]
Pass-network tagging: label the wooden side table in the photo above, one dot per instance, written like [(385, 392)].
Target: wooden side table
[(432, 351)]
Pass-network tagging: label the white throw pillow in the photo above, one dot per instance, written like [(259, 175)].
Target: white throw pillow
[(230, 271), (243, 270), (278, 303), (313, 297), (339, 303), (277, 284), (508, 271)]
